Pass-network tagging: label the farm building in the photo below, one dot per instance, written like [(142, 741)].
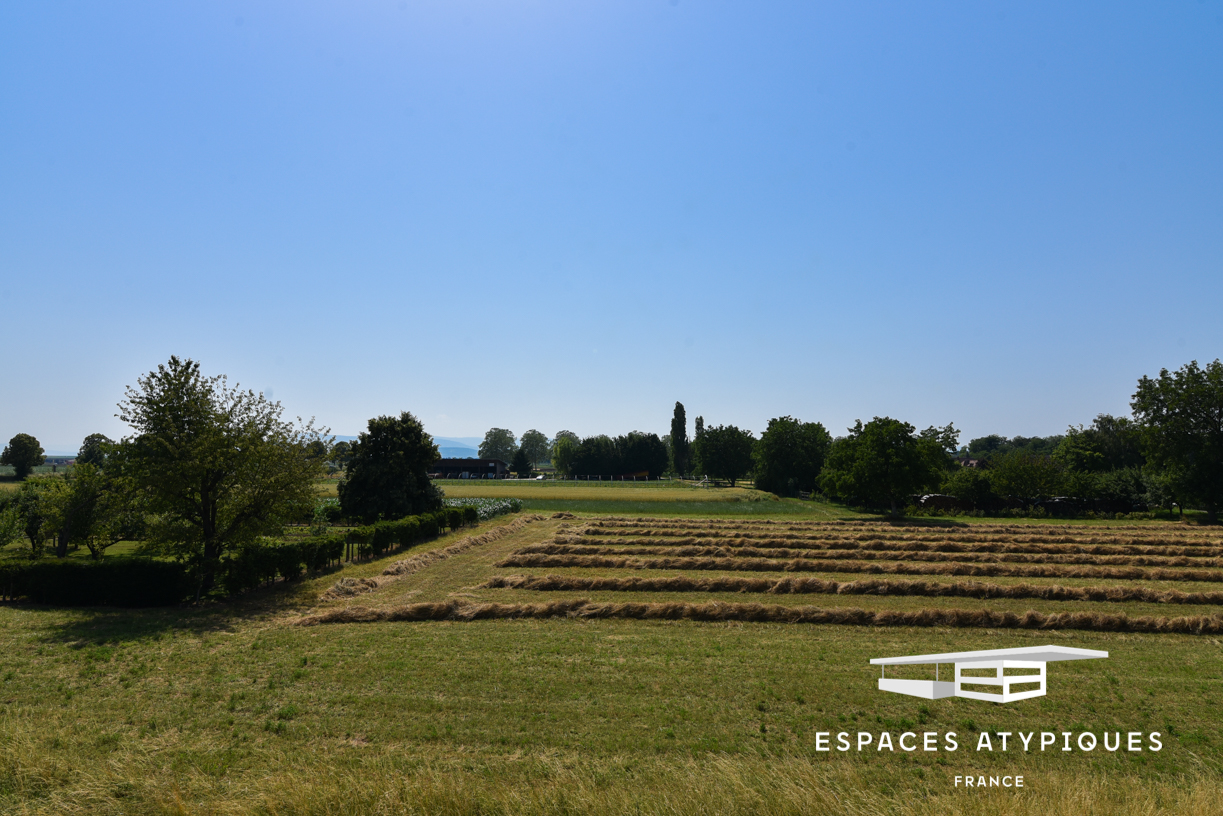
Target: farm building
[(470, 469)]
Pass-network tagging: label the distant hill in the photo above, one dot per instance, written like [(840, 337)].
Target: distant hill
[(458, 441), (461, 447)]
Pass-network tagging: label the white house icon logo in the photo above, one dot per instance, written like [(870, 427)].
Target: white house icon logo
[(998, 660)]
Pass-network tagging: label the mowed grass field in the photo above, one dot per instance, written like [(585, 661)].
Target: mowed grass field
[(635, 683)]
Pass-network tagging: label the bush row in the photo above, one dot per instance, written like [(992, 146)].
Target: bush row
[(262, 561), (115, 581), (266, 560), (135, 582)]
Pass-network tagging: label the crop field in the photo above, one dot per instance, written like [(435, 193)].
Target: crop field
[(633, 664)]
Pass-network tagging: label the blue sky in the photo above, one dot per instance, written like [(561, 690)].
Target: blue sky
[(569, 215)]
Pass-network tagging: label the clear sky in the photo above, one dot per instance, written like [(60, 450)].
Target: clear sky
[(571, 214)]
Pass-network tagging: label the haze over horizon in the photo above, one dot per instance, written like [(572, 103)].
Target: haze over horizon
[(556, 216)]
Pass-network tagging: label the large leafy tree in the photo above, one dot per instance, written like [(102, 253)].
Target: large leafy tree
[(99, 509), (94, 449), (1181, 416), (22, 454), (40, 502), (522, 463), (597, 456), (641, 452), (679, 439), (883, 462), (564, 452), (725, 452), (535, 445), (388, 475), (790, 455), (1027, 475), (498, 444), (1110, 443), (218, 465)]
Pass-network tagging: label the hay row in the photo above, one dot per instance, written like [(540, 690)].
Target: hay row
[(955, 540), (891, 546), (899, 527), (873, 555), (888, 568), (348, 587), (805, 586), (773, 613), (418, 562)]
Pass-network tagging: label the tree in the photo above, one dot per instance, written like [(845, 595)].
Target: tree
[(679, 440), (597, 456), (388, 477), (12, 525), (99, 508), (790, 455), (341, 454), (498, 444), (1026, 475), (218, 466), (40, 502), (972, 485), (522, 463), (882, 463), (1181, 417), (1110, 443), (726, 452), (988, 448), (641, 452), (94, 449), (535, 445), (22, 454), (695, 466), (564, 452)]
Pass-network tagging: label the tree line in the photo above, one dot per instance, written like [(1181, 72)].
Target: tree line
[(209, 471), (1168, 452), (208, 468)]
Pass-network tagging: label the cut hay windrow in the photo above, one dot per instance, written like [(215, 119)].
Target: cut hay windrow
[(923, 545), (418, 562), (948, 538), (874, 555), (884, 568), (804, 586), (1114, 533), (772, 613), (348, 587)]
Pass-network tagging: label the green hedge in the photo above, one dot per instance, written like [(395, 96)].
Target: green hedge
[(263, 561), (114, 581)]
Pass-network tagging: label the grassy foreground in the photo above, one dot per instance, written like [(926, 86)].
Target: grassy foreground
[(237, 709)]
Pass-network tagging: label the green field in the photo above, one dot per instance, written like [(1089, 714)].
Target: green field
[(238, 708)]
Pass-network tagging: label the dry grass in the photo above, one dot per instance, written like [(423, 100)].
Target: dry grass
[(800, 586), (574, 545), (1043, 532), (943, 544), (860, 566), (710, 785), (455, 610)]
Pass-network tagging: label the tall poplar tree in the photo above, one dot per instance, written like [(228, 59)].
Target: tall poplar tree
[(679, 439)]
